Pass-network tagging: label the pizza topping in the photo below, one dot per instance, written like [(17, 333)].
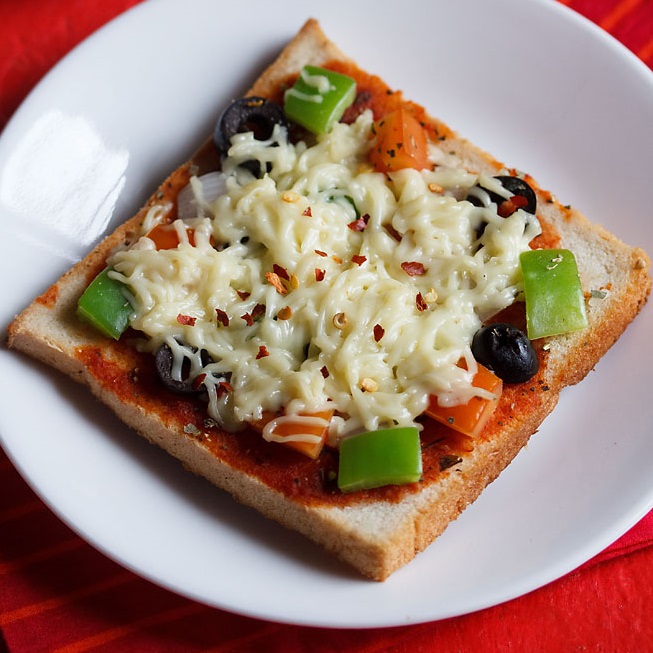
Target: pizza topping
[(256, 115), (507, 351), (369, 385), (359, 224), (340, 321), (554, 297), (420, 302), (508, 192), (186, 320), (274, 279), (384, 457), (257, 312), (223, 318), (262, 352), (413, 268), (196, 198), (509, 206), (178, 371), (223, 388), (285, 313), (401, 142), (105, 304), (522, 195), (166, 236), (469, 418), (385, 224), (319, 98), (305, 432)]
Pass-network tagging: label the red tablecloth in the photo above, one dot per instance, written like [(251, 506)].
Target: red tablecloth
[(57, 593)]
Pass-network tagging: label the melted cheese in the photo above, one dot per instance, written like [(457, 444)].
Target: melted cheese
[(320, 83), (324, 285), (303, 420)]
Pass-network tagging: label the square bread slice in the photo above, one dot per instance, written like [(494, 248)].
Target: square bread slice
[(376, 531)]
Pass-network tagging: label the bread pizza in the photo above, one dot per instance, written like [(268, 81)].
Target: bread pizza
[(339, 310)]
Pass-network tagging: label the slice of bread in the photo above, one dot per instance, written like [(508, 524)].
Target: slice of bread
[(380, 530)]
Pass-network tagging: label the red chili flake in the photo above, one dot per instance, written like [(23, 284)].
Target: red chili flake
[(282, 272), (379, 331), (186, 320), (324, 372), (262, 352), (360, 224), (393, 232), (258, 311), (223, 388), (223, 318), (243, 294), (413, 268), (421, 303), (307, 212), (275, 280), (198, 380), (358, 259), (319, 252), (509, 206), (319, 274)]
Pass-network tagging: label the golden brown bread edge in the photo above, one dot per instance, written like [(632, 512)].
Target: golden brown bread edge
[(376, 537)]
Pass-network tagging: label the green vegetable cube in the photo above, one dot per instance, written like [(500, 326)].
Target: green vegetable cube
[(378, 458), (554, 298), (318, 98), (104, 305)]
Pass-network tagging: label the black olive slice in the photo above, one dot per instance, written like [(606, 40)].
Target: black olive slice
[(163, 361), (514, 185), (507, 351), (517, 186), (255, 114)]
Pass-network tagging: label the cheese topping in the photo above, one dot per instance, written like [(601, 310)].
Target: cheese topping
[(320, 83), (303, 420), (327, 286)]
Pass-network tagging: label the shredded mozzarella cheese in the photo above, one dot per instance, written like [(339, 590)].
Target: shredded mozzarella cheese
[(363, 289)]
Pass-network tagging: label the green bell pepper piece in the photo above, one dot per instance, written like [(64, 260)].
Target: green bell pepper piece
[(555, 302), (104, 305), (376, 458), (318, 98)]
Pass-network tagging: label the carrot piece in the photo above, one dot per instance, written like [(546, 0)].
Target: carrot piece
[(290, 429), (401, 143), (165, 236), (469, 418)]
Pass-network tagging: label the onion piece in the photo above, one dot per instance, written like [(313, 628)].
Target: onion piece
[(196, 197)]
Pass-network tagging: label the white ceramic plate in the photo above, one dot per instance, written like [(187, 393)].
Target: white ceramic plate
[(529, 81)]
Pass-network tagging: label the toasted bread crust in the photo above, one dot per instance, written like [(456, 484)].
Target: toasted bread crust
[(376, 536)]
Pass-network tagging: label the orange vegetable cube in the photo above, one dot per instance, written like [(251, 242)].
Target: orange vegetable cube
[(401, 142), (469, 418), (290, 429), (165, 236)]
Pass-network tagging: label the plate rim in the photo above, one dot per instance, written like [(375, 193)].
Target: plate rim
[(52, 75)]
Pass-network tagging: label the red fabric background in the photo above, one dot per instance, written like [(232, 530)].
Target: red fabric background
[(57, 593)]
